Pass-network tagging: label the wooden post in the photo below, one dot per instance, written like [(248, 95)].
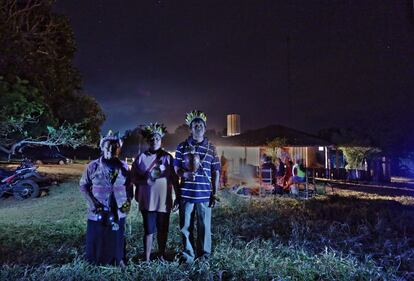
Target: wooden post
[(337, 162)]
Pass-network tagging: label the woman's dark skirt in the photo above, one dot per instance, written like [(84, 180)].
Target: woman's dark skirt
[(103, 245)]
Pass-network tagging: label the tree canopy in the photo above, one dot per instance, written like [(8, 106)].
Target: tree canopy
[(25, 119), (40, 85)]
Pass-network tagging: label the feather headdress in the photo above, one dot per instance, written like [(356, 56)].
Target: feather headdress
[(195, 114), (152, 129), (111, 137)]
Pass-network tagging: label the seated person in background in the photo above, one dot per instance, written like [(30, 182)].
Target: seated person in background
[(298, 173)]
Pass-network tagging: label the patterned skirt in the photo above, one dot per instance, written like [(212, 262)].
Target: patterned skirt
[(105, 246)]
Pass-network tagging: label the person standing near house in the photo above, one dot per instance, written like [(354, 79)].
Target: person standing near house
[(154, 178), (280, 174), (107, 188), (288, 174), (224, 168), (268, 170), (197, 164), (280, 168)]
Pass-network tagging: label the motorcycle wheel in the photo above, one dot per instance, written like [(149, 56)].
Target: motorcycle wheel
[(26, 189)]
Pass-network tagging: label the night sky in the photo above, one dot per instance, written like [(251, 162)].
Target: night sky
[(351, 62)]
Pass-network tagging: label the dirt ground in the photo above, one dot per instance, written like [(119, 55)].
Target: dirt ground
[(55, 173)]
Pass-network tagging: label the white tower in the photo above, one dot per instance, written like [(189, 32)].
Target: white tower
[(233, 125)]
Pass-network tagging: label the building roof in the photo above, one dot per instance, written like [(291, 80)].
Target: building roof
[(260, 137)]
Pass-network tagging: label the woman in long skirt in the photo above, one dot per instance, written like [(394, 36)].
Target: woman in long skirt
[(107, 188)]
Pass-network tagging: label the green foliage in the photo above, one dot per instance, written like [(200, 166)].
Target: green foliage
[(274, 146), (20, 100), (23, 111), (50, 130), (39, 46), (277, 143), (69, 134), (355, 155), (82, 109), (26, 119)]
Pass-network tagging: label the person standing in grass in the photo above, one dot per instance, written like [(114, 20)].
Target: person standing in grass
[(107, 189), (197, 164), (154, 178)]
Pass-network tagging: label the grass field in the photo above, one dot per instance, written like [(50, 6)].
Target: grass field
[(349, 236)]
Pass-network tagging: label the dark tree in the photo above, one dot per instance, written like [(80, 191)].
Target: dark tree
[(38, 46), (182, 131), (26, 120)]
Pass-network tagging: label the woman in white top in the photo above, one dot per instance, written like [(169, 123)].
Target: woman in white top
[(154, 178)]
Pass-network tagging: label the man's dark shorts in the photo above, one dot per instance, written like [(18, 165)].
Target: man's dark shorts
[(155, 222)]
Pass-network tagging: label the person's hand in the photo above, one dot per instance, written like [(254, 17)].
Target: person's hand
[(126, 207), (213, 200), (98, 207), (176, 205)]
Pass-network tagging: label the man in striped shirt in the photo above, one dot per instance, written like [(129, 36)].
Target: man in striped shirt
[(197, 164)]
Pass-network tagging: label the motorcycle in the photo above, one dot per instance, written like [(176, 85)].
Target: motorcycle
[(22, 183)]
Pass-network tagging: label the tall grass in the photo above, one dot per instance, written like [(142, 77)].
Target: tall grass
[(330, 238)]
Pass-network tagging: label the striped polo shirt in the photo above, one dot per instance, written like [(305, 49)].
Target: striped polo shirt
[(198, 189)]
